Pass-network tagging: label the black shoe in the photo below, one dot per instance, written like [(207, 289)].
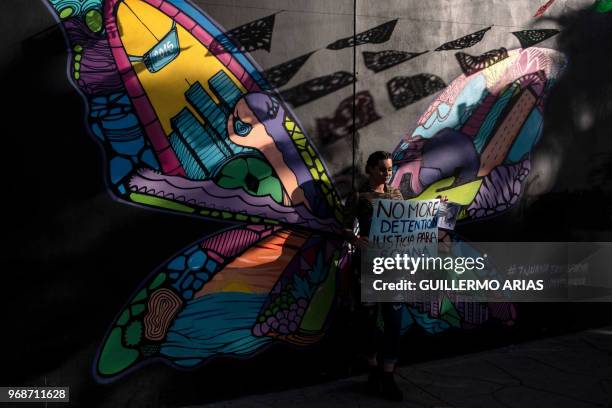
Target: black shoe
[(373, 384), (389, 388)]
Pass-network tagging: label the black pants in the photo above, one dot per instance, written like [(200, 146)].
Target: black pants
[(386, 343)]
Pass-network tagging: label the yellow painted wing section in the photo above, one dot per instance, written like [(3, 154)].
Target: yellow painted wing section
[(141, 26), (463, 194)]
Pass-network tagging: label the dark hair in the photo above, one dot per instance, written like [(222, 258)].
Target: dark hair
[(375, 158)]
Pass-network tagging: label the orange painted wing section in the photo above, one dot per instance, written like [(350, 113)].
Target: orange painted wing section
[(258, 268)]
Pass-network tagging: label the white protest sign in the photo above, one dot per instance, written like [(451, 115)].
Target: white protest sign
[(409, 227)]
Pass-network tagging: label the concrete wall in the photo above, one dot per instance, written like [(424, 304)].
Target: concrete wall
[(307, 26)]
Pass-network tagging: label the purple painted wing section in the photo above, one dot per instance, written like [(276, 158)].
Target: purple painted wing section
[(235, 241), (209, 197), (500, 190), (97, 73)]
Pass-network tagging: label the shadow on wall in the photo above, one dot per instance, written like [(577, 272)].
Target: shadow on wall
[(574, 159)]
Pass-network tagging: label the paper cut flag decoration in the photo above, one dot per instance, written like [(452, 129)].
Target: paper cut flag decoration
[(543, 8), (341, 124), (603, 6), (379, 61), (464, 42), (317, 87), (279, 75), (406, 90), (248, 37), (529, 38), (472, 64), (376, 35)]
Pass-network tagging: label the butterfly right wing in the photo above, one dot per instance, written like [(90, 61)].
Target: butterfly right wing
[(472, 146), (473, 143)]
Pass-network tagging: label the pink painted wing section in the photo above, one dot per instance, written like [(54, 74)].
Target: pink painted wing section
[(543, 8), (232, 242)]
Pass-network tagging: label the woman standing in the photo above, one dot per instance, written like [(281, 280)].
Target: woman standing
[(385, 346)]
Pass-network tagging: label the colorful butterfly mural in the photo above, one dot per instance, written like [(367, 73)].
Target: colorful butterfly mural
[(187, 128)]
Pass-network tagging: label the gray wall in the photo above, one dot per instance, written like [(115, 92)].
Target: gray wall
[(304, 26)]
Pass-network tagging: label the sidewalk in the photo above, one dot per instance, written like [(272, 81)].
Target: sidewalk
[(571, 371)]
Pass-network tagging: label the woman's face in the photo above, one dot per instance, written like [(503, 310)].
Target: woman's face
[(381, 173)]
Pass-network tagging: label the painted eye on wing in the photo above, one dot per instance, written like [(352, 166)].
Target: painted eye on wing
[(241, 128)]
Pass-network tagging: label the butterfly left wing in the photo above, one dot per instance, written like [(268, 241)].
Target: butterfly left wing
[(232, 293), (179, 113), (237, 151), (184, 124)]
